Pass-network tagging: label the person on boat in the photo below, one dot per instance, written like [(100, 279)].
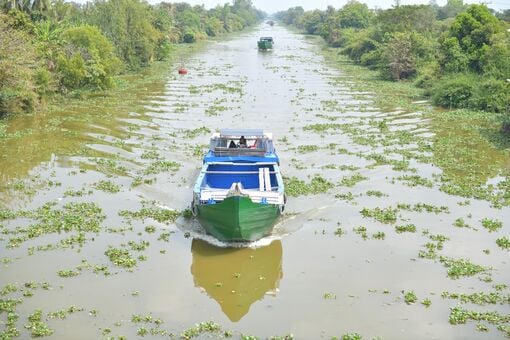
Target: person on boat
[(232, 144), (256, 144), (242, 142)]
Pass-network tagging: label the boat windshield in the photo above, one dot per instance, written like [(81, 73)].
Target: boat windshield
[(246, 142)]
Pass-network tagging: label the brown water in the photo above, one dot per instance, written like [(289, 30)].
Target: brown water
[(304, 279)]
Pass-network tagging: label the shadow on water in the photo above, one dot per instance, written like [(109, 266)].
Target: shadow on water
[(236, 277)]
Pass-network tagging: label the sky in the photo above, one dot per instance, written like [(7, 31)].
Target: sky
[(271, 6)]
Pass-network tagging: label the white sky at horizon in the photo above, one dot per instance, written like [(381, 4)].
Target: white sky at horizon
[(272, 6)]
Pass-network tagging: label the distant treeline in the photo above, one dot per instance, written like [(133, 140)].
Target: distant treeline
[(459, 54), (49, 47)]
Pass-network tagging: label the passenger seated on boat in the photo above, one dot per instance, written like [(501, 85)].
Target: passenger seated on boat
[(232, 144), (256, 144), (242, 142)]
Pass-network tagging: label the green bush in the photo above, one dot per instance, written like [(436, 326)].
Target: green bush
[(189, 37), (491, 95), (88, 60), (472, 91), (427, 75), (455, 91)]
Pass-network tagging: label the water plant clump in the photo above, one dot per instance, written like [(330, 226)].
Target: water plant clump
[(161, 166), (386, 215), (193, 133), (201, 328), (72, 217), (410, 297), (462, 267), (491, 225), (36, 326), (421, 207), (503, 242), (107, 186), (120, 257), (408, 228), (459, 315), (479, 298), (149, 154), (307, 148), (296, 187), (161, 215), (375, 193), (352, 180)]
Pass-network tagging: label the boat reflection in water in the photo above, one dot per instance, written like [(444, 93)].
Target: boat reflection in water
[(236, 277)]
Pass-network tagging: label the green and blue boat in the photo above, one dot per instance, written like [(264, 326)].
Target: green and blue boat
[(265, 43), (239, 193)]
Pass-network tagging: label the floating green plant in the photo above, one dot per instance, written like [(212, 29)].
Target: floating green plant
[(491, 225), (420, 207), (339, 232), (386, 215), (375, 193), (120, 257), (352, 336), (503, 242), (379, 235), (460, 223), (35, 325), (201, 328), (107, 186), (149, 154), (68, 273), (159, 214), (352, 180), (408, 228), (415, 180), (307, 148), (410, 297), (426, 302), (296, 187), (462, 267), (329, 296), (161, 166)]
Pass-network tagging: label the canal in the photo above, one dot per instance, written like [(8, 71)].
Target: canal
[(391, 226)]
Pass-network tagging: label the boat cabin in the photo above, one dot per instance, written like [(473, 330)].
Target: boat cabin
[(269, 39), (238, 142)]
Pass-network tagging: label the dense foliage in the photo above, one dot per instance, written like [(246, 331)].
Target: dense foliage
[(459, 54), (51, 47)]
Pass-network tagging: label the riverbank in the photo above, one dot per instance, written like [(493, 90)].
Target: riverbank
[(464, 140)]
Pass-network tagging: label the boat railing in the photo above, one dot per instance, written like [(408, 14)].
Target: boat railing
[(236, 172), (224, 151), (271, 197)]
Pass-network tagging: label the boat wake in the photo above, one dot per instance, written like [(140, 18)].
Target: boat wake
[(192, 228), (288, 224)]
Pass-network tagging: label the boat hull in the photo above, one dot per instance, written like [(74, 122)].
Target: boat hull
[(265, 45), (237, 218)]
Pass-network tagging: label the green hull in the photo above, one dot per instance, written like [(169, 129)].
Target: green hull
[(237, 218), (265, 45)]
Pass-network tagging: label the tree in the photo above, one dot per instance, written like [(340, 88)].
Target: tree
[(129, 25), (354, 14), (88, 60), (472, 31), (311, 21), (451, 9)]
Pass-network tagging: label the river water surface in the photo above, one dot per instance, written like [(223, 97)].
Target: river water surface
[(90, 236)]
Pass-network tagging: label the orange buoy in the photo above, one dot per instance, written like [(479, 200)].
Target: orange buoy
[(182, 70)]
